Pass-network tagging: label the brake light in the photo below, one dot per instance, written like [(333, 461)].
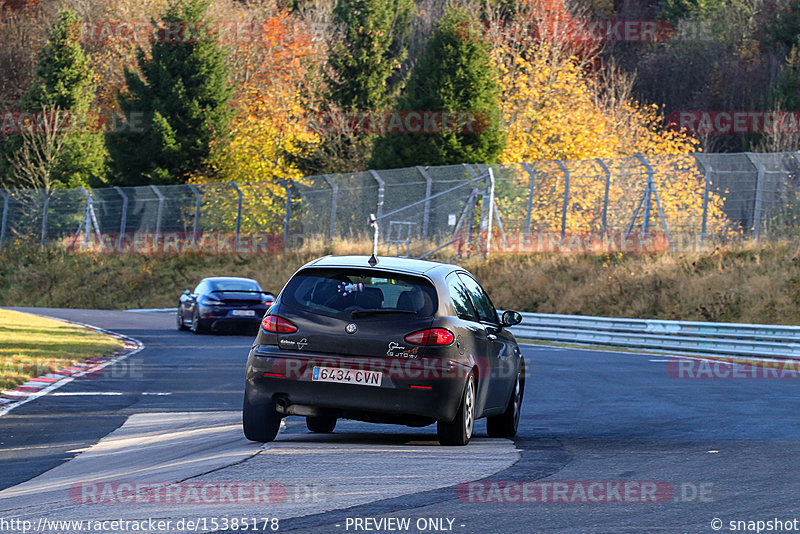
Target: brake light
[(432, 336), (277, 325)]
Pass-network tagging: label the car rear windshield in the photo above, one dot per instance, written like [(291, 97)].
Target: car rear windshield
[(239, 286), (347, 293)]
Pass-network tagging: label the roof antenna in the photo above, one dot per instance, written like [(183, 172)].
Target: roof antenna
[(373, 222)]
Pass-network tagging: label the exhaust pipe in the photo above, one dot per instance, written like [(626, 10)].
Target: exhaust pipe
[(283, 407)]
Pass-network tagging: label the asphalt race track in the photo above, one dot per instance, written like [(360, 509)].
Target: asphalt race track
[(596, 427)]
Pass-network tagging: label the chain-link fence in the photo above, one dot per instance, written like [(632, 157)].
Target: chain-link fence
[(636, 203)]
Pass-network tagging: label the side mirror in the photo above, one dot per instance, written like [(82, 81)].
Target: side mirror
[(187, 292), (511, 318)]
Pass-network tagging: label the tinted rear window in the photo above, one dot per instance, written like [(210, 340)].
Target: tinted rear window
[(339, 292), (246, 286)]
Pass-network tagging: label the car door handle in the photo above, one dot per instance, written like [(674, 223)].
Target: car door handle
[(491, 337)]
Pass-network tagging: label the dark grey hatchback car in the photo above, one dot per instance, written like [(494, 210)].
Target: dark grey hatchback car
[(398, 341)]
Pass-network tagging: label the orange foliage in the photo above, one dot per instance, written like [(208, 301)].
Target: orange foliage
[(18, 4), (550, 22)]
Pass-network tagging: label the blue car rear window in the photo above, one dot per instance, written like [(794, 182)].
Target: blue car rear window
[(235, 286)]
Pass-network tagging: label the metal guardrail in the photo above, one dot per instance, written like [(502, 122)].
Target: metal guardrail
[(685, 337)]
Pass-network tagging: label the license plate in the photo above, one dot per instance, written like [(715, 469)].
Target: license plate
[(243, 313), (346, 376)]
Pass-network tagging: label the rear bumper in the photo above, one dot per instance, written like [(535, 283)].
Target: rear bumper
[(424, 388), (221, 318), (231, 323)]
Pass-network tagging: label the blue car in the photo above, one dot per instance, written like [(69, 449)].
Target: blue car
[(223, 304)]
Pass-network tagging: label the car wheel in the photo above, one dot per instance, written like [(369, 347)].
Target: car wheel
[(506, 424), (322, 424), (197, 327), (459, 430), (260, 422), (181, 324)]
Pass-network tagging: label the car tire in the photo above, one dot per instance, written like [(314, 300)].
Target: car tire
[(506, 424), (322, 424), (197, 326), (179, 320), (260, 422), (459, 430)]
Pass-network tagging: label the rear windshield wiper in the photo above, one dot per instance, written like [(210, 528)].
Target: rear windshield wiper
[(362, 313)]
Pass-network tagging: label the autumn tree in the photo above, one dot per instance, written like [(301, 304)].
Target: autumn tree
[(63, 89), (24, 31), (371, 50), (35, 160), (366, 50), (270, 131), (455, 74), (556, 106), (183, 89)]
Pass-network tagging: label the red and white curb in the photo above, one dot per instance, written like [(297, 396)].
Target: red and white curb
[(42, 385)]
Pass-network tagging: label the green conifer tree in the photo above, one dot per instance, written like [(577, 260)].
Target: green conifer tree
[(181, 98), (455, 75)]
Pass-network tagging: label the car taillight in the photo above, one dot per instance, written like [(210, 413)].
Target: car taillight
[(277, 325), (432, 336)]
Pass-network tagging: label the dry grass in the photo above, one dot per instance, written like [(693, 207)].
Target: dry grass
[(32, 346), (757, 283)]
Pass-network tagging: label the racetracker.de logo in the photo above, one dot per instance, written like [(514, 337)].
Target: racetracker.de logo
[(175, 32), (690, 369), (183, 493), (734, 122), (400, 122), (606, 31), (57, 121), (566, 492)]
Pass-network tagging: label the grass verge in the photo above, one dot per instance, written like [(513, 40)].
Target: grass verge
[(752, 284), (31, 346)]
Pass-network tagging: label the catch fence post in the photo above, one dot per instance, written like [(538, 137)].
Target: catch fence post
[(123, 220), (706, 186), (490, 180), (158, 216), (651, 190), (531, 188), (334, 200), (426, 213), (606, 190), (288, 212), (238, 213), (198, 200), (565, 203), (4, 222), (45, 209), (758, 205)]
